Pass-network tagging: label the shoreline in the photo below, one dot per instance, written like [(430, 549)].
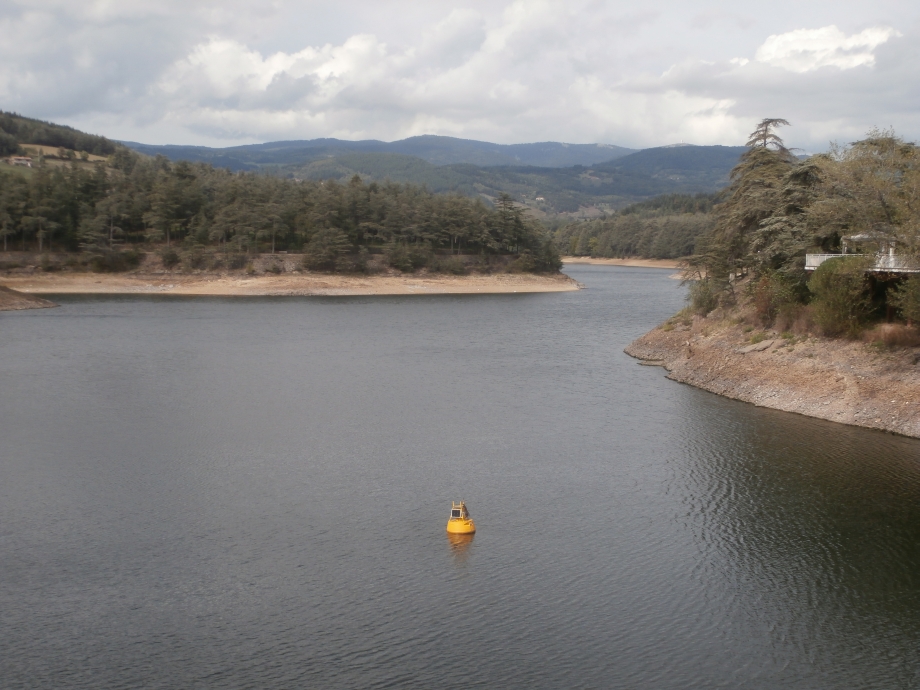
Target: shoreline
[(284, 285), (11, 300), (841, 381), (673, 264)]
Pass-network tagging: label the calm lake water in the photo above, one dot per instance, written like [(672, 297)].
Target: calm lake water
[(250, 493)]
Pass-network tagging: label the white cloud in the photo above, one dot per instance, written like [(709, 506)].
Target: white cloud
[(804, 50), (239, 71)]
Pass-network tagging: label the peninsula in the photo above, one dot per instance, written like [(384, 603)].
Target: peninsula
[(805, 293), (846, 381)]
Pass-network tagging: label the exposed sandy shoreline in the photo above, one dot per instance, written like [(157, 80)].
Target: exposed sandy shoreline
[(285, 284), (841, 381), (638, 263)]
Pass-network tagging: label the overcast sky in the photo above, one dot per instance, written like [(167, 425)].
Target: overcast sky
[(634, 73)]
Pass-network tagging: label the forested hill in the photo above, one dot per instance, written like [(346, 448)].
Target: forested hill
[(703, 166), (16, 130), (550, 178), (436, 150), (111, 209), (575, 189)]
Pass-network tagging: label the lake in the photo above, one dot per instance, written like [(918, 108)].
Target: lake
[(253, 492)]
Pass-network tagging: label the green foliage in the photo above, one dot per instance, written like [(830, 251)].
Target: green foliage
[(702, 296), (666, 227), (25, 130), (840, 297), (671, 205), (523, 264), (906, 298), (546, 259), (326, 249), (115, 262), (612, 184), (170, 257), (451, 265), (779, 208), (770, 292), (8, 144), (137, 200)]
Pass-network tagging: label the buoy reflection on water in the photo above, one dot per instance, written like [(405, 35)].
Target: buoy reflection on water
[(460, 546)]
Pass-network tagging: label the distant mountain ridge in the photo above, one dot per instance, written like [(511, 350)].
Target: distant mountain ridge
[(549, 177), (433, 149), (444, 164)]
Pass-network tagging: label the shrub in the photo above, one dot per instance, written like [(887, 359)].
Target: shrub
[(196, 258), (451, 265), (906, 299), (397, 257), (236, 261), (840, 300), (115, 262), (770, 294), (795, 318), (361, 260), (523, 264), (702, 297), (169, 257), (132, 258), (892, 335)]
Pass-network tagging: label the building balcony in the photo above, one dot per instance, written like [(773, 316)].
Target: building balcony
[(884, 263)]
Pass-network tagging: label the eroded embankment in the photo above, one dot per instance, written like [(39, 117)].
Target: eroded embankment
[(842, 381), (10, 300)]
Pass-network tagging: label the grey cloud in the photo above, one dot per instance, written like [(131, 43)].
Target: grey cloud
[(174, 72)]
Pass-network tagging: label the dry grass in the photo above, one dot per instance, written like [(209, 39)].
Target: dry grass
[(892, 335), (52, 152)]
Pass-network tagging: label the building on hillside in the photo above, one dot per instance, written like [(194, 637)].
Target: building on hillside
[(24, 161), (886, 259)]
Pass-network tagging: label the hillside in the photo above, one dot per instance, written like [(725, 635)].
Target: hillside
[(432, 149), (702, 166), (16, 130), (550, 178), (577, 190)]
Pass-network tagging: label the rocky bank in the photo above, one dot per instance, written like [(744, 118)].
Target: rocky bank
[(843, 381)]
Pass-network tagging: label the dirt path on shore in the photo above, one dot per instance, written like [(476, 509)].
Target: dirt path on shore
[(842, 381), (285, 284)]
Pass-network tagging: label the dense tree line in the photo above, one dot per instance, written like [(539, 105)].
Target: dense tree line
[(16, 130), (665, 227), (133, 201), (778, 208)]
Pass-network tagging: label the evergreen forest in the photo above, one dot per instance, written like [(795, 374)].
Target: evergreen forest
[(109, 210)]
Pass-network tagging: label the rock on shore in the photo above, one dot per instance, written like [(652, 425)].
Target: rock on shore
[(842, 381), (11, 300)]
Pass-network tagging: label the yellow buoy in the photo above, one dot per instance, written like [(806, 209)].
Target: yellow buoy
[(460, 521)]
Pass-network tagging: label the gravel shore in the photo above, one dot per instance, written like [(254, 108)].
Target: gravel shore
[(843, 381)]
